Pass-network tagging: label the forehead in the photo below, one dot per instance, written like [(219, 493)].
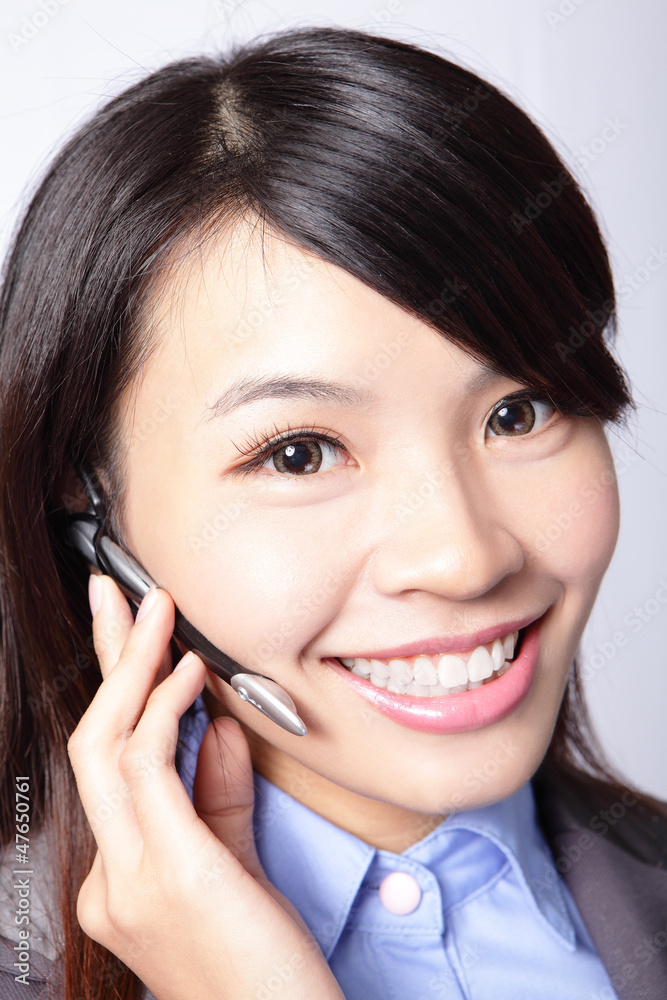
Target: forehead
[(251, 303)]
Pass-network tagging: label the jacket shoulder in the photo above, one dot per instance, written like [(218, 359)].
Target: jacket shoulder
[(610, 848), (570, 800)]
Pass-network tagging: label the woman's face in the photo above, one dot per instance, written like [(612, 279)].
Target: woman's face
[(411, 523)]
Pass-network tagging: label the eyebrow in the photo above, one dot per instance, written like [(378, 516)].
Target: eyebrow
[(254, 388), (257, 387)]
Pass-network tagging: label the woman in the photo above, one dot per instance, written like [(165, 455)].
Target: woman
[(334, 382)]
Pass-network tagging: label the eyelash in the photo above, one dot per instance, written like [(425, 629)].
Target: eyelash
[(264, 447)]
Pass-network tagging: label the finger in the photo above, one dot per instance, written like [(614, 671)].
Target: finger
[(147, 764), (129, 681), (91, 903), (112, 628), (105, 798), (224, 796), (99, 739), (224, 793), (112, 620), (112, 785)]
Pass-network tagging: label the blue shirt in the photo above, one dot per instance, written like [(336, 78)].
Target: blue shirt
[(495, 920)]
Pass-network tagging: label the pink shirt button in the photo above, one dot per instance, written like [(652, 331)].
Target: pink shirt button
[(400, 893)]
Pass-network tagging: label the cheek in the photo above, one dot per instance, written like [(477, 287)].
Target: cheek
[(259, 584), (572, 529)]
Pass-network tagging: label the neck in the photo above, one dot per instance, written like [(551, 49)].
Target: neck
[(381, 824)]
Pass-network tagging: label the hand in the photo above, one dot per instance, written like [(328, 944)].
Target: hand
[(177, 893)]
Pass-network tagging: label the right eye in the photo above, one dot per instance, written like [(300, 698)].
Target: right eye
[(296, 453), (300, 457), (517, 417)]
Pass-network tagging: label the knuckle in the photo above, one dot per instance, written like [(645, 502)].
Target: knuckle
[(91, 911), (159, 698), (79, 745), (73, 746), (137, 763)]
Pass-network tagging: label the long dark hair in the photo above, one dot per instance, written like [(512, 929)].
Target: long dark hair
[(399, 166)]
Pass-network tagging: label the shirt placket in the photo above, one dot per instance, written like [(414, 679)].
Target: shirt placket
[(395, 937)]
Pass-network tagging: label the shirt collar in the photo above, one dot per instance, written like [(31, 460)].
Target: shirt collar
[(325, 865), (317, 865), (512, 825)]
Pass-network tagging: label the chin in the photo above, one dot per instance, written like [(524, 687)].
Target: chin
[(481, 782)]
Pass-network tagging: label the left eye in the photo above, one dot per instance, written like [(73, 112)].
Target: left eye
[(519, 417), (300, 457)]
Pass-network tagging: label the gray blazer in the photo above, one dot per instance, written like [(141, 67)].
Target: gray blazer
[(610, 850)]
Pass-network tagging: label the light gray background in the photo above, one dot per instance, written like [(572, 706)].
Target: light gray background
[(575, 66)]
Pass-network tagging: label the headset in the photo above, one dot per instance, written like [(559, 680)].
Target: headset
[(87, 534)]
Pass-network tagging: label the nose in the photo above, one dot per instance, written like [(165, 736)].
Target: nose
[(447, 535)]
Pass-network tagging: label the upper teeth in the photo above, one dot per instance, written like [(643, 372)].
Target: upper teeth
[(437, 674)]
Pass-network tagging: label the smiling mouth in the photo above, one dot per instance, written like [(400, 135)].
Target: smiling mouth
[(438, 674)]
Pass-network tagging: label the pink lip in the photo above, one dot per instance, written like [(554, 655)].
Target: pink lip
[(448, 644), (462, 712)]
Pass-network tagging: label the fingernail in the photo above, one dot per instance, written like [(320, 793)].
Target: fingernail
[(185, 661), (146, 604), (94, 593)]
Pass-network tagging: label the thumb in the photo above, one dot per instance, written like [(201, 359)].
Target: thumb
[(224, 794), (224, 797)]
